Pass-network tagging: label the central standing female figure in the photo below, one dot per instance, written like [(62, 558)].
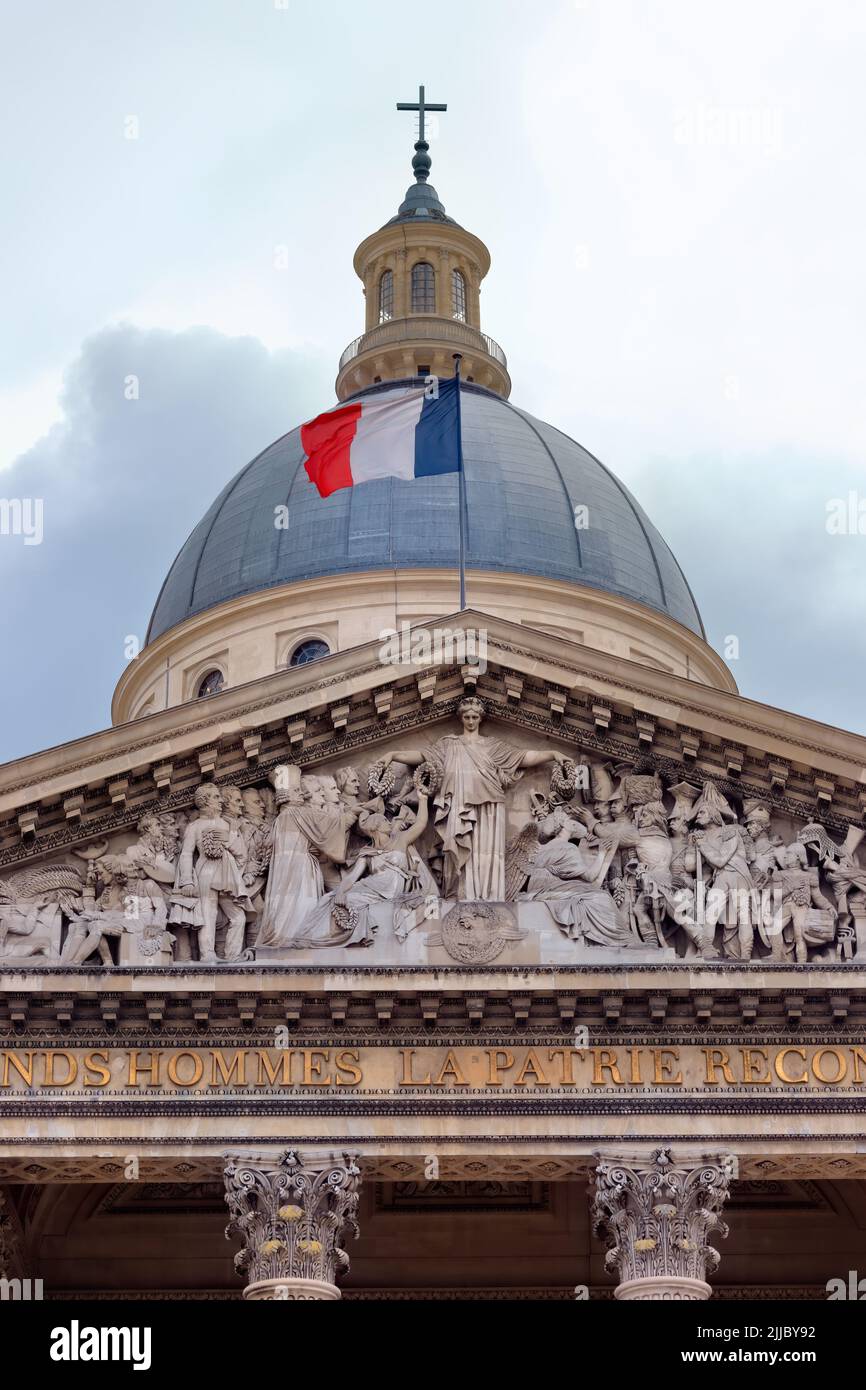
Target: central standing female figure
[(475, 774)]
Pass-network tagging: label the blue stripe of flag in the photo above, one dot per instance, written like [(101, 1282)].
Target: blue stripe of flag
[(437, 436)]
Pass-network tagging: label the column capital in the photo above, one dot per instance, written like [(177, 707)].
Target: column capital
[(656, 1216), (293, 1218)]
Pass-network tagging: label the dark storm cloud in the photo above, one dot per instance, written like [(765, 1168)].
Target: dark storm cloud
[(122, 482)]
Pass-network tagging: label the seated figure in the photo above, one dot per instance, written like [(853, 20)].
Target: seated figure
[(565, 876)]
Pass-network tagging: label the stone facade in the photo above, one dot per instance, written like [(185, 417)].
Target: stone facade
[(400, 946), (498, 1015)]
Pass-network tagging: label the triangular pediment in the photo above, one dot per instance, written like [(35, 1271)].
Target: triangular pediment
[(607, 747), (354, 699)]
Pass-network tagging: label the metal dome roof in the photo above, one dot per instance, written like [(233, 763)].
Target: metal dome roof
[(421, 201), (523, 481)]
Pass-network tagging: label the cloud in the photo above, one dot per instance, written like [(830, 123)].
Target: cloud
[(751, 535), (122, 483)]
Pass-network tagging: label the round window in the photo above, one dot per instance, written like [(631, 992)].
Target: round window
[(312, 650), (211, 684)]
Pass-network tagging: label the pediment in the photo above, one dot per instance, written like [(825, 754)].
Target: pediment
[(576, 826), (354, 699)]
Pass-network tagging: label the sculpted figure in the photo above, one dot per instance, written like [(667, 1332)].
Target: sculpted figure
[(253, 818), (269, 801), (153, 853), (521, 851), (649, 871), (565, 875), (28, 931), (255, 833), (602, 812), (660, 896), (313, 789), (761, 843), (173, 825), (683, 866), (234, 812), (476, 772), (122, 893), (148, 869), (91, 926), (615, 831), (349, 785), (795, 891), (232, 805), (602, 790), (328, 796), (348, 781), (730, 898), (846, 877), (312, 824), (386, 870), (210, 878), (32, 902)]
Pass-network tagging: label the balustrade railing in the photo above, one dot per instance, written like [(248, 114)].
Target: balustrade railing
[(424, 327)]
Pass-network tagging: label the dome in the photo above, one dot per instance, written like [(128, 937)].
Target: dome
[(421, 201), (524, 479)]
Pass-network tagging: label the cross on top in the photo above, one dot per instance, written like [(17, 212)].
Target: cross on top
[(421, 106)]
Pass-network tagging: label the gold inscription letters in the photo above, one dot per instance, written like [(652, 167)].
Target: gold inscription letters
[(151, 1071)]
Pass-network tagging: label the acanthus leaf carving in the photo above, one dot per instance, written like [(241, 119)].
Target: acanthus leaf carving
[(293, 1219)]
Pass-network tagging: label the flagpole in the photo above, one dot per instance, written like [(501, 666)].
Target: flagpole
[(461, 504)]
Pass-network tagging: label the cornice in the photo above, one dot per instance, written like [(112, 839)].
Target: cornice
[(569, 720), (394, 235)]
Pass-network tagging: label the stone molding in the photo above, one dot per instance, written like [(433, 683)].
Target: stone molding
[(70, 1008), (549, 1157), (188, 726), (667, 1289)]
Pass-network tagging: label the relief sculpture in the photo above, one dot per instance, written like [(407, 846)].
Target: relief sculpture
[(465, 847)]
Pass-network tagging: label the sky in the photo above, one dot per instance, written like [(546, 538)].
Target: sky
[(673, 196)]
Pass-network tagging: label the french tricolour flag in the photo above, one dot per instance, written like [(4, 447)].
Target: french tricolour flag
[(399, 435)]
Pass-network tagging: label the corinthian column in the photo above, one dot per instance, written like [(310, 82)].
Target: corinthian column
[(292, 1218), (656, 1216)]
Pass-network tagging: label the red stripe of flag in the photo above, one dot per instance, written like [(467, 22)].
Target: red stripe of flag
[(327, 442)]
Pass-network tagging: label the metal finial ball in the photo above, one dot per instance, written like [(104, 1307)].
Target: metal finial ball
[(421, 161)]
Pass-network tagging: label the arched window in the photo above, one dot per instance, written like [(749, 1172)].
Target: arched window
[(311, 650), (386, 296), (210, 684), (423, 289), (458, 296)]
